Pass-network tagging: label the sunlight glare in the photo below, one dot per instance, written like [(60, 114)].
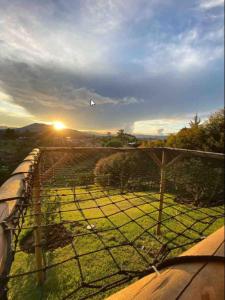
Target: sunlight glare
[(58, 125)]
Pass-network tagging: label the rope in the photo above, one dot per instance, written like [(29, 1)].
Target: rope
[(114, 224)]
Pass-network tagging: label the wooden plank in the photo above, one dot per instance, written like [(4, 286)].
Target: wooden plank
[(176, 158), (198, 280), (37, 231), (155, 158), (196, 153), (11, 192)]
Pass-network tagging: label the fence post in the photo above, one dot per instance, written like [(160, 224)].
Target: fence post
[(162, 190), (37, 231)]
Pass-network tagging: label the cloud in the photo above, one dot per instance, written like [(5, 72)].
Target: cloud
[(167, 125), (209, 4), (149, 59), (186, 51), (159, 126), (11, 109)]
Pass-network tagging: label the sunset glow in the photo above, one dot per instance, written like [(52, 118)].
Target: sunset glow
[(58, 125)]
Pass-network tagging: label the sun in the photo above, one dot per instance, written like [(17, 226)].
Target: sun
[(57, 125)]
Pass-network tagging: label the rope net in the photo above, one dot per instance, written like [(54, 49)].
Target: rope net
[(98, 224)]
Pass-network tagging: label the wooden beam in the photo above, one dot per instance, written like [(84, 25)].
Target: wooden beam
[(179, 156), (37, 231), (155, 158)]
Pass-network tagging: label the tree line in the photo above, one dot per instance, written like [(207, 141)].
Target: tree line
[(205, 136)]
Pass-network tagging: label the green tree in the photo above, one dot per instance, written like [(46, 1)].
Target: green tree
[(197, 180), (214, 132), (208, 136), (187, 138), (195, 122)]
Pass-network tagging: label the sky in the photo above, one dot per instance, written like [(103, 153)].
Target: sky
[(149, 65)]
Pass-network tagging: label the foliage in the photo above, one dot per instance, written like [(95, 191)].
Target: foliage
[(125, 170), (121, 139), (64, 278), (197, 180), (10, 134), (187, 138), (115, 143), (195, 122), (214, 132), (12, 152), (152, 143), (208, 136)]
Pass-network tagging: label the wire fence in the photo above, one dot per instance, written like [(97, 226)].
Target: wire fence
[(90, 220)]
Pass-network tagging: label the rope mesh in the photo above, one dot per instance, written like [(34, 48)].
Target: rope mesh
[(96, 239)]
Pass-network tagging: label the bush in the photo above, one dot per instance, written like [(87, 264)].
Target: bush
[(197, 180), (113, 143), (130, 170)]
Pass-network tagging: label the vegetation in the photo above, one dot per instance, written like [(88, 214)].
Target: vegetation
[(206, 136), (64, 278), (12, 152), (120, 140), (115, 192), (126, 170), (197, 180)]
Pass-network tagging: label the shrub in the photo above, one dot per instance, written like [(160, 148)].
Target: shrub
[(130, 170), (197, 180), (113, 143)]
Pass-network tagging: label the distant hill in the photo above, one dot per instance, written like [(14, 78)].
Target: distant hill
[(3, 127), (40, 128), (35, 127), (151, 137), (138, 136)]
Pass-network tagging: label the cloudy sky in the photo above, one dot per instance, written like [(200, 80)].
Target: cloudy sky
[(150, 65)]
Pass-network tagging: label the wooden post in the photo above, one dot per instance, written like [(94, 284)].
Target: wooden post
[(37, 231), (121, 184), (162, 190)]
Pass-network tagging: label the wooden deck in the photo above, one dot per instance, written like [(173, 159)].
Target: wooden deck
[(199, 280)]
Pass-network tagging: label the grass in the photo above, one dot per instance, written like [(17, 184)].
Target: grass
[(117, 220)]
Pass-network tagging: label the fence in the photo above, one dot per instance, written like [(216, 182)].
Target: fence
[(79, 223)]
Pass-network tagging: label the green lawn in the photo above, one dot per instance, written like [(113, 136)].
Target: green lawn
[(123, 238)]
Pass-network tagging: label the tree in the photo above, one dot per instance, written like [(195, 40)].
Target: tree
[(152, 143), (197, 180), (214, 132), (120, 133), (10, 134), (187, 138), (208, 136), (195, 122)]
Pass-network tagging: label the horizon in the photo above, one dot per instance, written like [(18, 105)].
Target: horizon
[(102, 132), (149, 67)]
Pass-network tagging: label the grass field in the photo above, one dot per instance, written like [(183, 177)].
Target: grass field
[(118, 220)]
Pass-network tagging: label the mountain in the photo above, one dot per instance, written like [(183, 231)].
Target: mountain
[(35, 128), (151, 137), (3, 127), (40, 128)]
